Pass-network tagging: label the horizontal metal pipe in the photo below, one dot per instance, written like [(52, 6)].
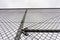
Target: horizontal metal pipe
[(41, 30), (24, 8)]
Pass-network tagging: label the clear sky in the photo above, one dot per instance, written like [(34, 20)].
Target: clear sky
[(29, 3)]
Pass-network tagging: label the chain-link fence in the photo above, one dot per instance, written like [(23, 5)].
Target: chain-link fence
[(40, 19)]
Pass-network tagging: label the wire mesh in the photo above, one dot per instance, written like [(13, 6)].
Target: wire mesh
[(10, 22)]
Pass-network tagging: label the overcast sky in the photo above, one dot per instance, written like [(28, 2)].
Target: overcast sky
[(29, 3)]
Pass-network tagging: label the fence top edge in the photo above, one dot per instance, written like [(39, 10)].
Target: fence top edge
[(25, 8)]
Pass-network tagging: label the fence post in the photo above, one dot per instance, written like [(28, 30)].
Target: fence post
[(19, 32)]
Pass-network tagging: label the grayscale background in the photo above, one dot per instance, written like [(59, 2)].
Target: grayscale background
[(35, 19), (29, 3)]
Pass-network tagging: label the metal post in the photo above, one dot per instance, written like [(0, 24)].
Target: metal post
[(19, 32)]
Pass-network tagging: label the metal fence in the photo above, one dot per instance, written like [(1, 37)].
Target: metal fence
[(14, 27)]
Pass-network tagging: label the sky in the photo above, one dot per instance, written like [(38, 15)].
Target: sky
[(29, 3)]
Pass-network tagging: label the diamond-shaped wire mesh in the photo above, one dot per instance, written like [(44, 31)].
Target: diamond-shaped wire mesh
[(35, 19)]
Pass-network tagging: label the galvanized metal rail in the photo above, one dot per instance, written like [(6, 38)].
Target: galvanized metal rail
[(37, 30)]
